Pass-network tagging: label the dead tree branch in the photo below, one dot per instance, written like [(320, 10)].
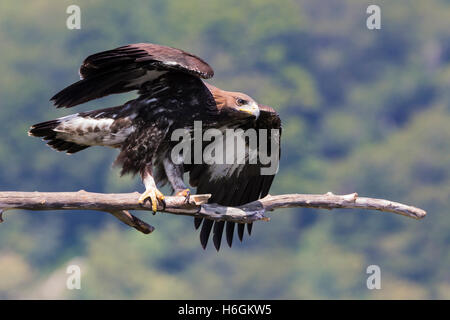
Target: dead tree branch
[(120, 204)]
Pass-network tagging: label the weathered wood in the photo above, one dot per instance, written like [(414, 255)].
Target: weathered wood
[(119, 204)]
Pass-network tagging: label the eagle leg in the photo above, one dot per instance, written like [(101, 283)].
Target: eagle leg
[(151, 192), (174, 173)]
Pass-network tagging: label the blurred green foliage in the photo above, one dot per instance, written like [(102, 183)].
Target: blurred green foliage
[(362, 110)]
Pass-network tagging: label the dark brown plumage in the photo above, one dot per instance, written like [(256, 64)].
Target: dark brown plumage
[(171, 96)]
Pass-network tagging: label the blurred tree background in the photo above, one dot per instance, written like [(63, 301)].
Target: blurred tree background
[(362, 110)]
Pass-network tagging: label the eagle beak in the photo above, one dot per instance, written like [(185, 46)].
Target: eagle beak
[(251, 109)]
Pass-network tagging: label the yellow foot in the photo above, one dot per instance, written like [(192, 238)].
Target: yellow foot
[(183, 193), (154, 195)]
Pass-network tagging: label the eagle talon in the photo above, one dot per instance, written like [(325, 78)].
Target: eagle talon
[(184, 193), (153, 195)]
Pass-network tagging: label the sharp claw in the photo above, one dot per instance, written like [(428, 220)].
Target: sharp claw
[(163, 203), (188, 195), (153, 196), (184, 193), (161, 197), (154, 204)]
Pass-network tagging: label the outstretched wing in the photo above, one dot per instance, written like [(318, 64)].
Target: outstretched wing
[(125, 69), (234, 185)]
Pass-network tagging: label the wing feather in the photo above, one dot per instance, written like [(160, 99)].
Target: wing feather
[(243, 185), (126, 69)]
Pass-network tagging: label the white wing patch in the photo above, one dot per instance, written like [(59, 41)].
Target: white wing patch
[(170, 63), (148, 76), (230, 155), (219, 171), (94, 131)]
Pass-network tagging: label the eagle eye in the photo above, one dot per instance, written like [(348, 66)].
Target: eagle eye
[(241, 102)]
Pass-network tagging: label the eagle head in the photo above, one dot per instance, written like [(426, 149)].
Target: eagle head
[(236, 104), (245, 104)]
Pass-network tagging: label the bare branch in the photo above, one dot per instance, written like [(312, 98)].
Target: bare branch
[(119, 204), (132, 221)]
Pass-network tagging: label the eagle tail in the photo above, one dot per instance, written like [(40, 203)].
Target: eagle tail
[(46, 131)]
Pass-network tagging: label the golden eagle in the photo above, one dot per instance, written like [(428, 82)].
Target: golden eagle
[(171, 96)]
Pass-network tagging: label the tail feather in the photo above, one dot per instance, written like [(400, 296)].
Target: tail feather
[(45, 130)]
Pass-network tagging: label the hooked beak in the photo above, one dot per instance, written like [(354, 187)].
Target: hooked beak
[(251, 109)]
